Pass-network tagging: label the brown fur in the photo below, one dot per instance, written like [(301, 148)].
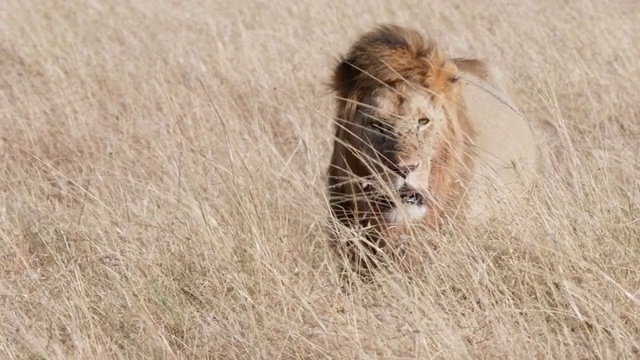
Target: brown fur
[(396, 58)]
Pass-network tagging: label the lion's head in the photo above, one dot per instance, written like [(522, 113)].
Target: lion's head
[(400, 134)]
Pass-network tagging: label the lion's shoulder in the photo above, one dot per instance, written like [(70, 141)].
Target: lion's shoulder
[(506, 154)]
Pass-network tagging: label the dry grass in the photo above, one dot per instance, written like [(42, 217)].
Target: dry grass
[(162, 170)]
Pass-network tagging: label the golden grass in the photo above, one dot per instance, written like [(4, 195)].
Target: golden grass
[(162, 186)]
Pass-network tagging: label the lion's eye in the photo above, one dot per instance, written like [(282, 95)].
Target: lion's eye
[(454, 79), (424, 121)]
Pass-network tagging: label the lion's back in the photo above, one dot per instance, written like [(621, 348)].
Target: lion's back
[(505, 151)]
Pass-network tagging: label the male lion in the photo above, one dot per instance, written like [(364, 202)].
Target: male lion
[(417, 135)]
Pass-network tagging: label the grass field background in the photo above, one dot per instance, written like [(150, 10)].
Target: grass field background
[(162, 186)]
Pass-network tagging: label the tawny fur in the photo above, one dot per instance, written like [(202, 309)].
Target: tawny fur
[(387, 61)]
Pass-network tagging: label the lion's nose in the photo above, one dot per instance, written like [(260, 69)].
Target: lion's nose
[(404, 169)]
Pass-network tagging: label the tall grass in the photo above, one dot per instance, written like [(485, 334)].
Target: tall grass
[(162, 173)]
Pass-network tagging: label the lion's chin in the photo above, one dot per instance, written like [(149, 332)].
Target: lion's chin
[(406, 213), (411, 207)]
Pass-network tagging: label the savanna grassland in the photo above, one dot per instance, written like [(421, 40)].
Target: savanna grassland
[(162, 186)]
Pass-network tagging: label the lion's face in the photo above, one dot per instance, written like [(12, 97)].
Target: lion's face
[(398, 139), (401, 131)]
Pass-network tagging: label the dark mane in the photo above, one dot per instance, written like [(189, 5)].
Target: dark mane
[(388, 54)]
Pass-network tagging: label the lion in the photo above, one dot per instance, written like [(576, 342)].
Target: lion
[(420, 139)]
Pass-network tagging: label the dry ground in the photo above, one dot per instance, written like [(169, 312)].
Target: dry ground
[(161, 186)]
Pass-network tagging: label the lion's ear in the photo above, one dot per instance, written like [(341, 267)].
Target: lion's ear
[(344, 78)]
